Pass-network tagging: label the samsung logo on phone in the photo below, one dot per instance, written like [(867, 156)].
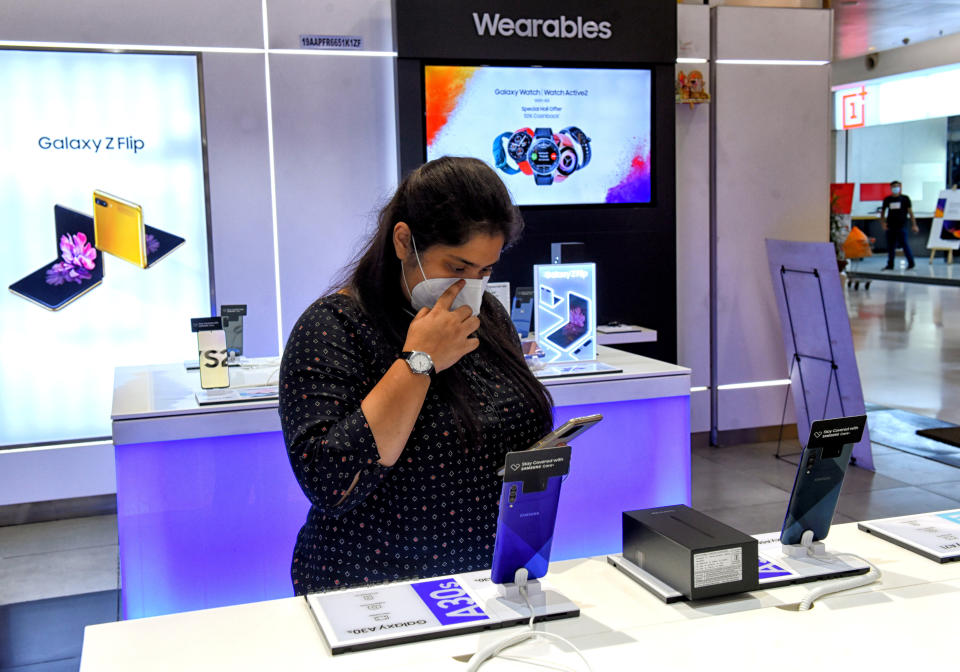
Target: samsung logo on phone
[(561, 27), (529, 513)]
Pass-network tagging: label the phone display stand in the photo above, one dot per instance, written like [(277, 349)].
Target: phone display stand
[(511, 591), (807, 546)]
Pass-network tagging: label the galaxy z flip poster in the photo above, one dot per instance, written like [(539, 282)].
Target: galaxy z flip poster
[(104, 226), (565, 313)]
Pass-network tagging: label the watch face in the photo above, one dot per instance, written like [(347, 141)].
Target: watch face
[(420, 362), (568, 161), (518, 145), (544, 156)]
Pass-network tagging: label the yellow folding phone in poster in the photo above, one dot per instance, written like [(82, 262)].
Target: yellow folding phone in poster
[(118, 228)]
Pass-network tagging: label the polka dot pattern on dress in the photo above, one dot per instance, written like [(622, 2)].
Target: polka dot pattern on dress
[(435, 511)]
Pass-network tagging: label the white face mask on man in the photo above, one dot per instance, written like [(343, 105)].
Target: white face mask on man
[(426, 292)]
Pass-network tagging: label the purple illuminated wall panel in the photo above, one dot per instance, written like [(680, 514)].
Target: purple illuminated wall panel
[(638, 457), (212, 522), (205, 523)]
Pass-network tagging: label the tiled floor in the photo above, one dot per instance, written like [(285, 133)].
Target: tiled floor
[(924, 270), (907, 340), (748, 487), (55, 577)]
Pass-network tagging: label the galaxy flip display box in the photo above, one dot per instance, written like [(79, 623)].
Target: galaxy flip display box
[(691, 552)]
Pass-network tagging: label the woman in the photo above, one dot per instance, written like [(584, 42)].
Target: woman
[(398, 403)]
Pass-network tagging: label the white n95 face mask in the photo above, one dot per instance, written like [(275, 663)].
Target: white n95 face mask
[(425, 293)]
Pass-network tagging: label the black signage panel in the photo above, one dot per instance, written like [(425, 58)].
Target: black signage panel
[(642, 31)]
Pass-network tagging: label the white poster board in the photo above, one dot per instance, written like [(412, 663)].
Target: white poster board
[(945, 228)]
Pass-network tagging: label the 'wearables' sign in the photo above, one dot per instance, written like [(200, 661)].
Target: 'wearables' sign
[(612, 31), (563, 27)]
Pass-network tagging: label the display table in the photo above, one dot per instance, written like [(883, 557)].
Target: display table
[(907, 620), (208, 508)]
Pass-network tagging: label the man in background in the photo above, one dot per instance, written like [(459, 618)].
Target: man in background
[(893, 218)]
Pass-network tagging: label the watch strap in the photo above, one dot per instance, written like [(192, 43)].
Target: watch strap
[(500, 154), (583, 140), (407, 354)]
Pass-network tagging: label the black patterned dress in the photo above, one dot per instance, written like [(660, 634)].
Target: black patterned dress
[(435, 511)]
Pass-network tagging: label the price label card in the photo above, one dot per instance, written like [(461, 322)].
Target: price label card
[(356, 619), (933, 535)]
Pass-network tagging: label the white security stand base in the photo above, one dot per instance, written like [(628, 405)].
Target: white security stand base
[(511, 591), (805, 548)]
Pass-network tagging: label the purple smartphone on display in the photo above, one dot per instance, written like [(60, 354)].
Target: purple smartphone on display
[(528, 510)]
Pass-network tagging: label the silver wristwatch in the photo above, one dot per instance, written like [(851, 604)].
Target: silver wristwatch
[(419, 362)]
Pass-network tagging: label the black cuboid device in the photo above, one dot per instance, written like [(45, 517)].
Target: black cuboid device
[(691, 552)]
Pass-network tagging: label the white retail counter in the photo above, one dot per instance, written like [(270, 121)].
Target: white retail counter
[(157, 402), (906, 621), (208, 507)]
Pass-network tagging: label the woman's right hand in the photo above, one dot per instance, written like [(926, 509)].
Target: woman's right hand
[(442, 333)]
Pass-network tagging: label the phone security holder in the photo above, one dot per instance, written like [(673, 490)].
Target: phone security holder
[(807, 547), (511, 591)]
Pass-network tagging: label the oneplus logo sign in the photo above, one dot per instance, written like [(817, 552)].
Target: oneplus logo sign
[(854, 109)]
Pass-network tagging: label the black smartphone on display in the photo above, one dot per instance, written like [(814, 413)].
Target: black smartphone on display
[(565, 433), (816, 488), (77, 269), (521, 312)]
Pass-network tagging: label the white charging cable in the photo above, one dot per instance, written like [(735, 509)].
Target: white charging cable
[(834, 586), (495, 649)]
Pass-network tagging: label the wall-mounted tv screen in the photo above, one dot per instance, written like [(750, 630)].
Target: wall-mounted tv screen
[(557, 136)]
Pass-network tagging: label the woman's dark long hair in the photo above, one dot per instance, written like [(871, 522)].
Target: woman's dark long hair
[(446, 202)]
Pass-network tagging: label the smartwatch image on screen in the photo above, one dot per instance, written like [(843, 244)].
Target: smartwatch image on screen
[(582, 140), (120, 230), (550, 157), (544, 156), (77, 270)]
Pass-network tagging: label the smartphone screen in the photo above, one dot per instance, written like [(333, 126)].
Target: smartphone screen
[(233, 326), (568, 431), (565, 433), (213, 359), (578, 323), (77, 269), (159, 243)]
